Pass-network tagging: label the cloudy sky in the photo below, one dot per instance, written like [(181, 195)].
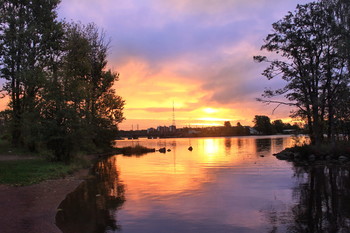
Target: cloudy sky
[(196, 54)]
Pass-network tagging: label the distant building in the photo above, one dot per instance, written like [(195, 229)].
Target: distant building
[(172, 129), (151, 130), (253, 131), (163, 129)]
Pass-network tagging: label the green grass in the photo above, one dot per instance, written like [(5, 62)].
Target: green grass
[(31, 171)]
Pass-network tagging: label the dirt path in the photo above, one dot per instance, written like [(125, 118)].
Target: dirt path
[(32, 209)]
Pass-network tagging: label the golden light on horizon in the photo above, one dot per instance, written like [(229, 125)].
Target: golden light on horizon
[(210, 110), (210, 119), (181, 170)]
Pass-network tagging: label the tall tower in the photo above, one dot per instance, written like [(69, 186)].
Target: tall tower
[(173, 113)]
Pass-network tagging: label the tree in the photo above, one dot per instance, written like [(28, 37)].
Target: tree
[(278, 126), (61, 93), (227, 124), (81, 110), (262, 124), (311, 64), (29, 33), (240, 130)]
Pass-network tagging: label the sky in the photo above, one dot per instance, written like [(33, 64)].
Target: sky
[(193, 55)]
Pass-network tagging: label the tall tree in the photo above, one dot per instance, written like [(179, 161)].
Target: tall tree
[(81, 109), (28, 38), (262, 124), (310, 64)]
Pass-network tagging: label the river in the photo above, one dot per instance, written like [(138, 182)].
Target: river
[(232, 184)]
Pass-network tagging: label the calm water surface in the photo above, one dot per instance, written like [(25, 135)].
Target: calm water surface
[(223, 185)]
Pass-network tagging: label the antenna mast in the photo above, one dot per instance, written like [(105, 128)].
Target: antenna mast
[(173, 113)]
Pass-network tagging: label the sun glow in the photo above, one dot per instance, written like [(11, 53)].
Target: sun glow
[(212, 119), (210, 110)]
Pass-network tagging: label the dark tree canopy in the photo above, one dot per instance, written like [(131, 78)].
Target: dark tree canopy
[(310, 42), (263, 124), (61, 93)]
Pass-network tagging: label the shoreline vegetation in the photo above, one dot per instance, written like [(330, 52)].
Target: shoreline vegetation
[(308, 155), (23, 169)]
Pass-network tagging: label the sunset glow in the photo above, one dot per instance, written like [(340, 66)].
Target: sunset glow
[(195, 54)]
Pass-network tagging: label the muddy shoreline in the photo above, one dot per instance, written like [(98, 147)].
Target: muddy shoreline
[(32, 209)]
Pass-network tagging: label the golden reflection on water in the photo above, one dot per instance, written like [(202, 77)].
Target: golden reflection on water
[(223, 185), (183, 171)]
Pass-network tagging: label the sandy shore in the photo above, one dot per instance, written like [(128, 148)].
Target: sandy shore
[(32, 209)]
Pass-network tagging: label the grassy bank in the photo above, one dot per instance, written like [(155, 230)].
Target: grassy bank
[(31, 171), (22, 169)]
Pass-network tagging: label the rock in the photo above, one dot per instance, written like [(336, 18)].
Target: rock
[(285, 155), (162, 150)]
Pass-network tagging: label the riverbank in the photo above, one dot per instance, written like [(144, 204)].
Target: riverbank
[(309, 154), (32, 209)]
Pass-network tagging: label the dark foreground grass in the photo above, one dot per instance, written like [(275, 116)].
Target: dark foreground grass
[(31, 171)]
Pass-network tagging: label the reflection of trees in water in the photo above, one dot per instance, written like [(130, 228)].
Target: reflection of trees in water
[(228, 143), (323, 200), (263, 144), (91, 207), (240, 143), (323, 197)]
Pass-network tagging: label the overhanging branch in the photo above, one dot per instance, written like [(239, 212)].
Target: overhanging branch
[(279, 103)]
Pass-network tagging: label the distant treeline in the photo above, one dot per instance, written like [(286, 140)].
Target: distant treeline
[(262, 126), (61, 95)]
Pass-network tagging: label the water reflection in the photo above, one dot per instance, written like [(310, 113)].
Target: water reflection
[(223, 185), (91, 207), (323, 196), (263, 144)]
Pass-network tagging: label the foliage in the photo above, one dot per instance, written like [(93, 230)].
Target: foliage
[(311, 42), (262, 124), (61, 93), (136, 150), (227, 124), (29, 35)]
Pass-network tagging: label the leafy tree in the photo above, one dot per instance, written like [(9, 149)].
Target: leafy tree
[(28, 40), (311, 64), (240, 130), (227, 124), (262, 124), (61, 92), (278, 126), (81, 109)]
